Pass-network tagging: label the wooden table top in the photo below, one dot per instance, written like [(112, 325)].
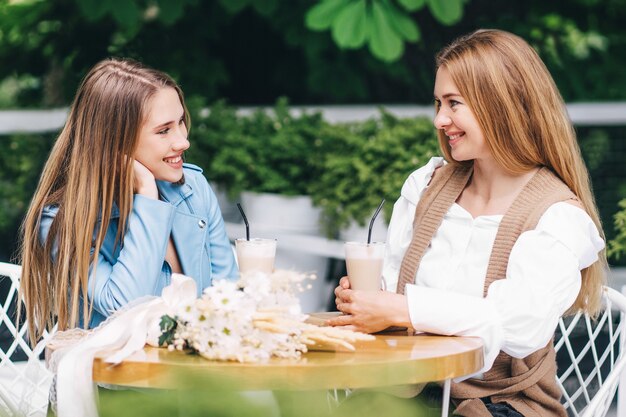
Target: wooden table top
[(391, 359)]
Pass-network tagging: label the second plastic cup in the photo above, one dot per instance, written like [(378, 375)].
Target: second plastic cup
[(364, 262), (256, 255)]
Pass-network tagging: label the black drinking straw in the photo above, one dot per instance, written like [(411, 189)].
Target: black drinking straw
[(245, 220), (369, 233)]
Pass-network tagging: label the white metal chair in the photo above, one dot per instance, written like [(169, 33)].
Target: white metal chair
[(24, 380), (591, 360), (591, 357)]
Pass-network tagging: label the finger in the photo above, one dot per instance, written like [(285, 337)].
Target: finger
[(344, 294), (343, 320), (344, 282), (345, 308), (338, 289), (349, 327), (341, 299), (340, 306)]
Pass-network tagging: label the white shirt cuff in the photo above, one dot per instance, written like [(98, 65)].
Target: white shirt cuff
[(448, 313)]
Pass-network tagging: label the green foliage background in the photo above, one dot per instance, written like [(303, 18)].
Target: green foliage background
[(204, 396), (21, 160), (254, 51), (347, 168), (249, 52), (378, 156)]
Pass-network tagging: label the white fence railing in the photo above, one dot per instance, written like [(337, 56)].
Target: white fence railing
[(588, 114)]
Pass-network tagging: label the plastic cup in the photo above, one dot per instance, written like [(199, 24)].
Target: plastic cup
[(256, 255), (364, 262)]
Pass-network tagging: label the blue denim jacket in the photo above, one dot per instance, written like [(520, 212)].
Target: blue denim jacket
[(137, 268)]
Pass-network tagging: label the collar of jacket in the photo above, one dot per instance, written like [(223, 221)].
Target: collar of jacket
[(170, 192), (174, 193)]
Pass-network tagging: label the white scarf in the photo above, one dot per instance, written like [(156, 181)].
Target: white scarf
[(124, 333)]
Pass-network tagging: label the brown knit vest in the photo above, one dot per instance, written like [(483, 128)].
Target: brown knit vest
[(527, 384)]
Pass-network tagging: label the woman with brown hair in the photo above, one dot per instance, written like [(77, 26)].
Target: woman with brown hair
[(499, 240), (117, 211)]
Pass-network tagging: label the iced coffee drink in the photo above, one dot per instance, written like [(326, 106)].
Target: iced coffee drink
[(256, 255), (364, 262)]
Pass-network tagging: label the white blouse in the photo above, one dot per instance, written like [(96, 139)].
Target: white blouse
[(520, 313)]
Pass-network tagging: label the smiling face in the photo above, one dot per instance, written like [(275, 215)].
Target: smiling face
[(163, 136), (456, 120)]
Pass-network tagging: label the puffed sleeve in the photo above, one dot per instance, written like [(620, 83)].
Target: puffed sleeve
[(543, 277), (401, 225), (520, 313)]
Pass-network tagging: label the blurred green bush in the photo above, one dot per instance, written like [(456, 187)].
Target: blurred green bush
[(617, 246), (347, 168), (380, 155), (273, 152), (200, 395), (21, 161)]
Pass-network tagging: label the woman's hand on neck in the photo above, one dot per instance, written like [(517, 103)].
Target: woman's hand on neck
[(144, 182), (492, 189)]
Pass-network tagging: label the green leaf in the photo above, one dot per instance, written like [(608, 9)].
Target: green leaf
[(447, 12), (402, 24), (412, 5), (265, 7), (170, 11), (168, 328), (384, 41), (126, 13), (93, 9), (234, 6), (349, 29), (321, 16)]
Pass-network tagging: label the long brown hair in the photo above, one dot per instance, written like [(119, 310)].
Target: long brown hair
[(88, 171), (525, 123)]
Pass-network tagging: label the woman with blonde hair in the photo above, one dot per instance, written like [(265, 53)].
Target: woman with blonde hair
[(501, 238), (116, 211)]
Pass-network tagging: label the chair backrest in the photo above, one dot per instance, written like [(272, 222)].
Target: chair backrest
[(591, 357), (24, 381)]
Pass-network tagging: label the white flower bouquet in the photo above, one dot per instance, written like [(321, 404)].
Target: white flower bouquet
[(251, 320)]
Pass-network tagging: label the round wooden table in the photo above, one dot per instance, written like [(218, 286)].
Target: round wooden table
[(391, 359)]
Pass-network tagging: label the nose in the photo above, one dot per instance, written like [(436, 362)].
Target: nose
[(442, 120), (181, 143)]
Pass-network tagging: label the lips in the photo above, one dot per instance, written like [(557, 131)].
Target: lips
[(174, 161), (454, 138)]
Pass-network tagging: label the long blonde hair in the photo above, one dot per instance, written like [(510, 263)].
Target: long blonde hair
[(88, 171), (525, 123)]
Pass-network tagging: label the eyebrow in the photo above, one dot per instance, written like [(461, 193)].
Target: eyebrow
[(162, 125), (448, 95)]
